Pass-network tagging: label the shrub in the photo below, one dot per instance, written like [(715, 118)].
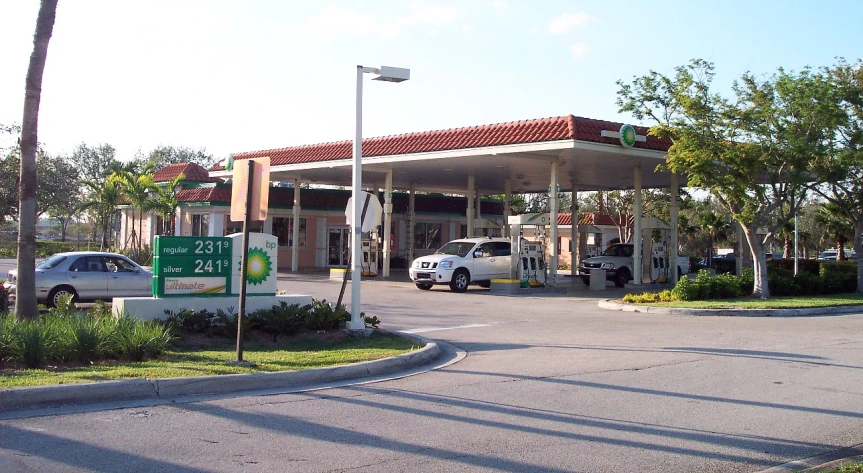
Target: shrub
[(7, 336), (282, 319), (372, 321), (35, 341), (839, 277), (65, 308), (137, 340), (322, 316), (787, 264), (88, 339), (225, 323), (4, 300), (781, 282), (189, 321)]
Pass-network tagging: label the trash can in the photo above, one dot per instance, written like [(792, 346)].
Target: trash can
[(597, 279)]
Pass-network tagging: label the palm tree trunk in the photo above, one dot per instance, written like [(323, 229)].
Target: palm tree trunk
[(26, 307)]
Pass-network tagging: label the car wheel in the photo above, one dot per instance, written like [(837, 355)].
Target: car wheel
[(622, 278), (60, 291), (460, 281), (424, 287), (485, 284)]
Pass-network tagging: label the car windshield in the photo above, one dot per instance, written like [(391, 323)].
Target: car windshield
[(51, 262), (460, 248), (618, 250)]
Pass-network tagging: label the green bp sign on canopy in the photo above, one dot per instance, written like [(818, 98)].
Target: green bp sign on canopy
[(210, 266)]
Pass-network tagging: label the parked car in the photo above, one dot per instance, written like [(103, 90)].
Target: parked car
[(833, 255), (462, 262), (86, 276), (617, 261)]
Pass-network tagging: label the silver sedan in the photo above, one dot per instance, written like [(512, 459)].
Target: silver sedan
[(87, 276)]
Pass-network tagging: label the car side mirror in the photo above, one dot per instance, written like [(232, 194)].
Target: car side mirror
[(477, 254), (137, 270)]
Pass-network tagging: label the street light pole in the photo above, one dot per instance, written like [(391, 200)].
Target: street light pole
[(357, 322), (387, 74)]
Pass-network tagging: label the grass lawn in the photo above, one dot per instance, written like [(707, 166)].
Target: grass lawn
[(852, 468), (774, 303), (206, 356)]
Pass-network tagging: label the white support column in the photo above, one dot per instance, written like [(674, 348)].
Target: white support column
[(673, 210), (507, 209), (217, 224), (178, 222), (388, 220), (478, 203), (295, 234), (637, 264), (409, 234), (553, 204), (267, 226), (471, 183), (573, 209)]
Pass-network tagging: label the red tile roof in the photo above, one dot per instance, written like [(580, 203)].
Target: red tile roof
[(567, 127), (191, 172)]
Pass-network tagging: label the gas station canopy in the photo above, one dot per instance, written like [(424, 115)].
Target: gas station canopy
[(590, 154)]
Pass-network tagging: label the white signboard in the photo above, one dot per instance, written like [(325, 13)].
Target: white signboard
[(374, 211)]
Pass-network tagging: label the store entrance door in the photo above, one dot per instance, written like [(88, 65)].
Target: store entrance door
[(339, 246)]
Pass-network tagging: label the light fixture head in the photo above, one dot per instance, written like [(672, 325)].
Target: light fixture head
[(519, 176), (393, 74)]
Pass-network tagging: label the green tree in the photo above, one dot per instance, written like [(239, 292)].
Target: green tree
[(164, 155), (59, 192), (94, 162), (164, 203), (138, 188), (9, 168), (837, 227), (841, 172), (751, 153), (25, 307), (101, 198), (715, 227)]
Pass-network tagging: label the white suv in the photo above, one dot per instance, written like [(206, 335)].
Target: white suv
[(460, 263)]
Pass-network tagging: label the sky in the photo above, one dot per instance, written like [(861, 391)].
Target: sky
[(243, 75)]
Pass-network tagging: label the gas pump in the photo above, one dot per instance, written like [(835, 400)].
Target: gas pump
[(658, 262), (532, 263), (530, 266), (369, 250)]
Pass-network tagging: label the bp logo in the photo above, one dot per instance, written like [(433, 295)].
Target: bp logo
[(627, 136), (259, 266), (229, 163)]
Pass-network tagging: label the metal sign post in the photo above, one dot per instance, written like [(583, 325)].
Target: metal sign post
[(255, 199)]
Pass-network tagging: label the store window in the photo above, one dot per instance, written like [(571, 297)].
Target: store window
[(237, 227), (283, 228), (200, 224), (427, 236)]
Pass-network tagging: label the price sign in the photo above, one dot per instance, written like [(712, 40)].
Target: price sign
[(193, 246), (192, 266)]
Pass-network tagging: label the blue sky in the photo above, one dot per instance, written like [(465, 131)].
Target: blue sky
[(242, 75)]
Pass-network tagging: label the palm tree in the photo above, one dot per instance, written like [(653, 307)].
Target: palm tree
[(164, 203), (138, 189), (836, 225), (102, 198), (25, 306), (716, 228)]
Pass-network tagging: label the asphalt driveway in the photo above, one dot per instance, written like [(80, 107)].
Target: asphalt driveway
[(547, 384)]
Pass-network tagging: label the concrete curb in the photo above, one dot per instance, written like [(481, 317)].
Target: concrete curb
[(822, 462), (159, 389), (836, 310)]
